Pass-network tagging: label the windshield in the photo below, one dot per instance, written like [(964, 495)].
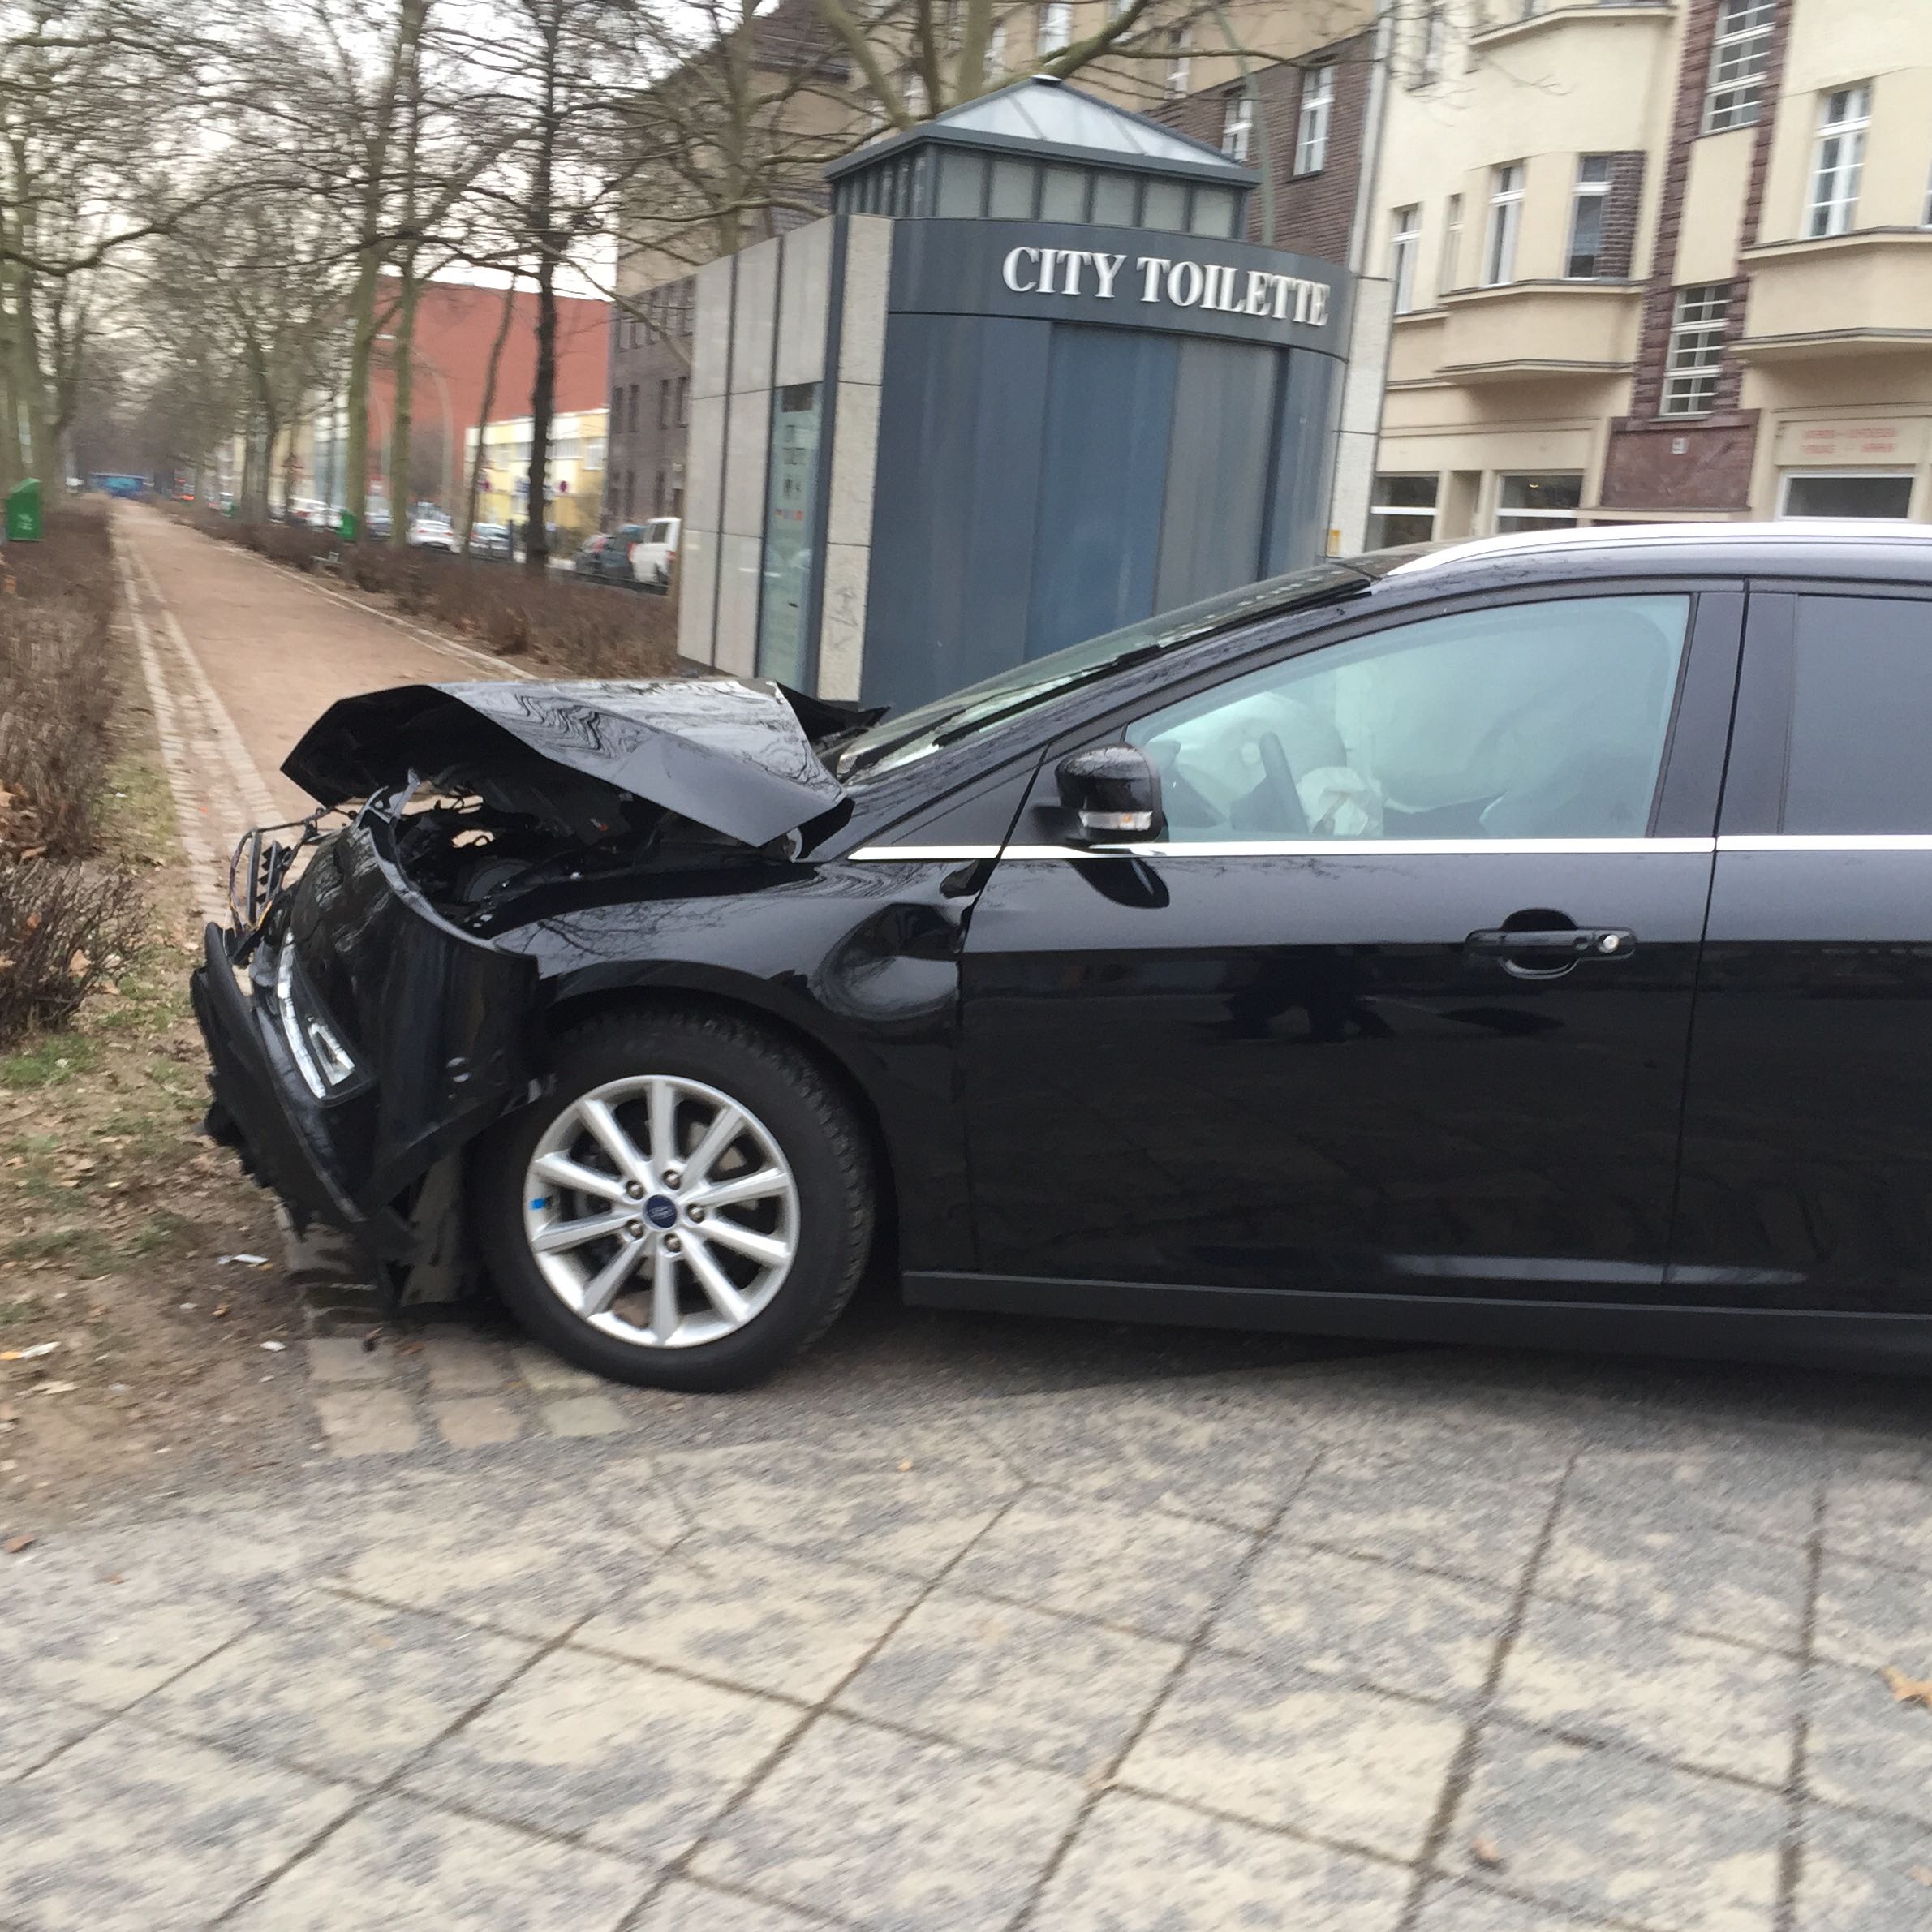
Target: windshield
[(914, 734)]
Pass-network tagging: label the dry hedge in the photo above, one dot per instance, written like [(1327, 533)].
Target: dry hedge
[(62, 928), (62, 918), (588, 630)]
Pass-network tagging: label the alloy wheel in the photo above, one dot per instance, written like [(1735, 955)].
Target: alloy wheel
[(660, 1212)]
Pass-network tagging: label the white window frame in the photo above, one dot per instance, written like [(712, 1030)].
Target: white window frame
[(1588, 190), (1311, 120), (1405, 245), (912, 91), (1787, 477), (1055, 26), (995, 50), (1451, 246), (1696, 349), (1179, 41), (1237, 125), (1844, 114), (1741, 53), (1505, 222), (1432, 512), (1563, 520)]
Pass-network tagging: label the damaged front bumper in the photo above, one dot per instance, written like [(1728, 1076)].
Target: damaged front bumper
[(371, 1040)]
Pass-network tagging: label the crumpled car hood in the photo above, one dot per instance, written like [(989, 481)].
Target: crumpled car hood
[(733, 755)]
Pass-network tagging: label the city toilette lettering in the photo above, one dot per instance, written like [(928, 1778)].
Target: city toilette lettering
[(1182, 284)]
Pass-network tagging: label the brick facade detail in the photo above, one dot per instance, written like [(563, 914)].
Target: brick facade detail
[(1314, 213), (1702, 462), (1620, 210)]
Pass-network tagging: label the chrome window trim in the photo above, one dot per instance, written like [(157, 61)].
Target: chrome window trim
[(1363, 848), (1316, 848)]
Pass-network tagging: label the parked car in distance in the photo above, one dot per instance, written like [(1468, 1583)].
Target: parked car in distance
[(490, 539), (1321, 957), (605, 557), (654, 557), (432, 533)]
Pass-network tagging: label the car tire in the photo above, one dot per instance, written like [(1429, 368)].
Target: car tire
[(795, 1253)]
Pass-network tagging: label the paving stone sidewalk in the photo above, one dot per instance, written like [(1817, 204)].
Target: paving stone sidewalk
[(1427, 1643)]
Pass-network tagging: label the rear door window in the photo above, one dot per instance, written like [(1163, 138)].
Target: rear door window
[(1860, 759)]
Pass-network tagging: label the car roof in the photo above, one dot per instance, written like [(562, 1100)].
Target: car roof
[(1801, 547)]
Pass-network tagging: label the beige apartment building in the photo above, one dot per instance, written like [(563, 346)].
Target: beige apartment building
[(1656, 261)]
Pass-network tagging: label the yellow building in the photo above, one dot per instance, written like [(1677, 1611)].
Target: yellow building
[(578, 443), (1656, 261)]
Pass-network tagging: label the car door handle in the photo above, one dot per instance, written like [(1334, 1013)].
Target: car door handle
[(1543, 954)]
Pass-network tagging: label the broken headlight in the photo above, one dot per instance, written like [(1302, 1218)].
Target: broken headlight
[(325, 1063)]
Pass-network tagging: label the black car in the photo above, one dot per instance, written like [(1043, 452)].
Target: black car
[(1530, 940)]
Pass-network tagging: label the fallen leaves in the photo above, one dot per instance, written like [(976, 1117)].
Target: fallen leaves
[(1908, 1690), (15, 1544), (1485, 1851), (54, 1389), (1921, 1872), (29, 1354)]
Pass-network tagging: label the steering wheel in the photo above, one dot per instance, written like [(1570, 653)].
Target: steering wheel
[(1273, 808)]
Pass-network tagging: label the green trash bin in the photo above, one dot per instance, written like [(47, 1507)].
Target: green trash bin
[(23, 512)]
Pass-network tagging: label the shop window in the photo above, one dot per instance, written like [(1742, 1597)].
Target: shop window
[(1538, 503), (1403, 245), (1586, 217), (1838, 161), (1696, 349), (1164, 205), (1010, 193), (1505, 219), (1214, 211), (1740, 54), (1114, 199), (1238, 125), (961, 184), (1846, 494), (1063, 194), (1402, 511), (1311, 124)]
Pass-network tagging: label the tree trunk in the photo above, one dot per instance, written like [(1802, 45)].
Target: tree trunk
[(369, 264), (403, 356), (543, 395), (489, 402)]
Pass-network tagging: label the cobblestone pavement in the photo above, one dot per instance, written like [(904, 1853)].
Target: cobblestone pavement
[(1425, 1642)]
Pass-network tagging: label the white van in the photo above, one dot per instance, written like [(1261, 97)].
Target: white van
[(654, 555)]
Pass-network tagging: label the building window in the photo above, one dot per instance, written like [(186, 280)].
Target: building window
[(1178, 42), (1505, 218), (1237, 125), (1739, 56), (664, 402), (1435, 39), (1586, 218), (637, 408), (1451, 245), (1846, 494), (657, 496), (630, 495), (1539, 503), (1926, 219), (1401, 510), (1056, 25), (912, 91), (684, 399), (1311, 128), (1696, 349), (1404, 246), (1838, 162), (995, 50)]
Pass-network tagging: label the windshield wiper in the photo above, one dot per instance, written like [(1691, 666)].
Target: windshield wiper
[(1040, 693)]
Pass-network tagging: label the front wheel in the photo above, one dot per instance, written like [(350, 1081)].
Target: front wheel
[(689, 1206)]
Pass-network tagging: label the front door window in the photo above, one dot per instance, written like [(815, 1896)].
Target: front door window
[(1529, 721)]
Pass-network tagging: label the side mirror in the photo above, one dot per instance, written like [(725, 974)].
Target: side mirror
[(1113, 792)]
